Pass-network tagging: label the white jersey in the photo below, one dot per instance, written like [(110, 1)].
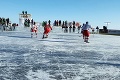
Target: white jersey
[(34, 27), (86, 27)]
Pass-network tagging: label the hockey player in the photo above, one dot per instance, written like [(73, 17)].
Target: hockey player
[(86, 32), (47, 29), (34, 29)]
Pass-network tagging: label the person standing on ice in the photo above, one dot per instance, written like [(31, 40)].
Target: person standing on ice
[(97, 29), (73, 26), (86, 32), (78, 26), (82, 30), (93, 31), (34, 29), (70, 27), (49, 22), (47, 29)]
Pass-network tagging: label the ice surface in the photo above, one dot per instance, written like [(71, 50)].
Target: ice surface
[(62, 56)]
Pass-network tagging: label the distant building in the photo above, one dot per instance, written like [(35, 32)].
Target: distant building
[(22, 17)]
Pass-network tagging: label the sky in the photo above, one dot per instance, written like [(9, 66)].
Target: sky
[(96, 12)]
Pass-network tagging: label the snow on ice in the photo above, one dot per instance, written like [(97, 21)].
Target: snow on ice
[(62, 56)]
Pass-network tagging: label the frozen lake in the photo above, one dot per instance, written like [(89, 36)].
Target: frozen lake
[(62, 56)]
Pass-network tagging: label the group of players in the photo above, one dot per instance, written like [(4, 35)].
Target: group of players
[(48, 28)]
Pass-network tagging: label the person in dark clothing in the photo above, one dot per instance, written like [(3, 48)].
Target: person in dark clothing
[(32, 21), (25, 12), (97, 29), (59, 22), (7, 21), (22, 12), (93, 31), (70, 27), (3, 23), (73, 26), (28, 22), (63, 25), (66, 27), (55, 23), (105, 29), (0, 20), (49, 22)]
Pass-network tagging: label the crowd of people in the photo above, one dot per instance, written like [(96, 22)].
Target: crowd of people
[(5, 24), (28, 22), (47, 29)]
